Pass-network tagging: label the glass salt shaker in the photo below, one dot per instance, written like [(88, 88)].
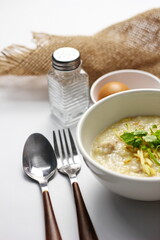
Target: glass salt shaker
[(68, 86)]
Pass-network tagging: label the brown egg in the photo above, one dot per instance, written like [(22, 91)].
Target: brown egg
[(110, 88)]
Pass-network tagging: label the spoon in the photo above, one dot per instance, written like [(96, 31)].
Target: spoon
[(39, 163)]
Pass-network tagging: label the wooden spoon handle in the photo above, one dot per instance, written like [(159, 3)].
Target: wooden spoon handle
[(51, 227), (86, 229)]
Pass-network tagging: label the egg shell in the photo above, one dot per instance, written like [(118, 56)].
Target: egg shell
[(110, 88)]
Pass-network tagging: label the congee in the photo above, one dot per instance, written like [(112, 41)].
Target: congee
[(130, 146)]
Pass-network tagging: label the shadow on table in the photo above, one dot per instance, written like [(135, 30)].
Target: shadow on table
[(126, 219), (24, 94), (24, 88)]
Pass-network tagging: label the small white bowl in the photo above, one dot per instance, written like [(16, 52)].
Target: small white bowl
[(134, 79), (101, 115)]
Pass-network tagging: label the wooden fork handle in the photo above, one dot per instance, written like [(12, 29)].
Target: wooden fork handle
[(51, 227), (86, 229)]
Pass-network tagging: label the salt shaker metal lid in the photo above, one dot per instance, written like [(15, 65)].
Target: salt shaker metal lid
[(66, 59)]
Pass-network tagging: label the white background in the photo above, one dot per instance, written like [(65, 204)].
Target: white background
[(18, 18), (23, 112)]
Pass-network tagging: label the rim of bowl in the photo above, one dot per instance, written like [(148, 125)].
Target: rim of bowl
[(93, 162), (119, 71)]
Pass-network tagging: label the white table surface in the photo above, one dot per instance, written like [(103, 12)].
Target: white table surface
[(23, 112)]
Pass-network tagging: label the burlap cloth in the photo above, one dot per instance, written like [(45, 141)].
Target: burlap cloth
[(131, 44)]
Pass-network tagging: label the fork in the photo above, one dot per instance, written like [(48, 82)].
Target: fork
[(69, 163)]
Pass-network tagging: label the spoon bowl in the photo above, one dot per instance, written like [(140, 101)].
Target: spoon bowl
[(39, 163)]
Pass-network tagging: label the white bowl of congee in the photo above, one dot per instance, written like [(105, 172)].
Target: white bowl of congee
[(119, 138)]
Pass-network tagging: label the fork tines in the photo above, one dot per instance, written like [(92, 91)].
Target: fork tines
[(64, 146)]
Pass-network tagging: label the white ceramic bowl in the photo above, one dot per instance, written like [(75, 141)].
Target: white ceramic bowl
[(134, 79), (106, 112)]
